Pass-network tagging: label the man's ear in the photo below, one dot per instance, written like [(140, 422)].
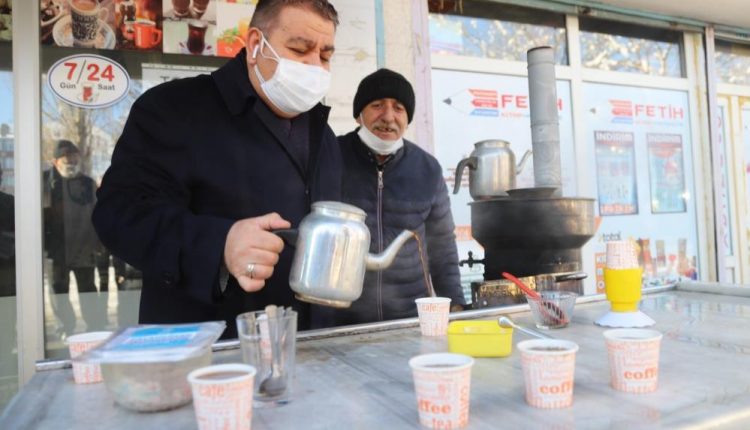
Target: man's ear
[(252, 42)]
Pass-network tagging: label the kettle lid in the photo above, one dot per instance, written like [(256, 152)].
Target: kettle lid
[(325, 206), (492, 143)]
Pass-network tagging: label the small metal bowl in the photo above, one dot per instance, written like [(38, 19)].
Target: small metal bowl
[(150, 387)]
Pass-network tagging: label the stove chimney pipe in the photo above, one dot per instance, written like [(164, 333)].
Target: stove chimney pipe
[(545, 130)]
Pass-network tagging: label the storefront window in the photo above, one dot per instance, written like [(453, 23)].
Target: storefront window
[(640, 144), (139, 43), (491, 30), (8, 340), (733, 63), (620, 47)]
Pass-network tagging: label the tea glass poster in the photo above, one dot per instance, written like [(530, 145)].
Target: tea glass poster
[(102, 24), (615, 173), (189, 27), (232, 23), (6, 21), (666, 172)]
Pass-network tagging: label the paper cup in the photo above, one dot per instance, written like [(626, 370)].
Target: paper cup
[(85, 373), (622, 254), (443, 384), (433, 315), (548, 371), (223, 396), (633, 359)]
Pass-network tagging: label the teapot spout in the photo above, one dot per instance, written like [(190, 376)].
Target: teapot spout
[(523, 161), (385, 258)]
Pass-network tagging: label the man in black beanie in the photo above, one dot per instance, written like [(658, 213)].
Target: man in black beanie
[(70, 240), (399, 186)]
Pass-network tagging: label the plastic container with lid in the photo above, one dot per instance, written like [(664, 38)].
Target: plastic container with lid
[(145, 367), (479, 338)]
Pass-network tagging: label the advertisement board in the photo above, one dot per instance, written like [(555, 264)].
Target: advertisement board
[(655, 124)]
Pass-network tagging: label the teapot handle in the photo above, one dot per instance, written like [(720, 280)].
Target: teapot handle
[(471, 162), (288, 235)]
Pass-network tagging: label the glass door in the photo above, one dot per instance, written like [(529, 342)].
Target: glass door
[(8, 339)]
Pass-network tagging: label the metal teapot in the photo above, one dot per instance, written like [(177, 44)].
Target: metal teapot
[(331, 256), (492, 169)]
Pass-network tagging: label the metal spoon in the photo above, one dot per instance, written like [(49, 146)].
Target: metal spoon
[(506, 322), (274, 384)]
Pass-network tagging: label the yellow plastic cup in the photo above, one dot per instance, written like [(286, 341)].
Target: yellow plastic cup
[(623, 288)]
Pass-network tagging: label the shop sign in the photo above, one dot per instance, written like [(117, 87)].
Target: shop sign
[(88, 81)]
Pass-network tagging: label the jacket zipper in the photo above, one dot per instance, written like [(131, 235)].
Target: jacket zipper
[(380, 241)]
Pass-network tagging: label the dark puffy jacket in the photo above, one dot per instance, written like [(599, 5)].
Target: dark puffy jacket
[(414, 197)]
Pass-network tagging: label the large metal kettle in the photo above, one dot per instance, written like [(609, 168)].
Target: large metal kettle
[(492, 169), (331, 256)]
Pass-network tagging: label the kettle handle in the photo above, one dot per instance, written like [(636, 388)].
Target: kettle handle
[(288, 235), (469, 161)]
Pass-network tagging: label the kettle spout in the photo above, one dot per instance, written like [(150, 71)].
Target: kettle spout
[(385, 258), (523, 161)]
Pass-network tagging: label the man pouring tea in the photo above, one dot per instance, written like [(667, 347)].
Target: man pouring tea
[(206, 167)]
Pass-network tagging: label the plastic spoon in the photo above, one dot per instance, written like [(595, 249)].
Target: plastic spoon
[(551, 310), (506, 322), (274, 384)]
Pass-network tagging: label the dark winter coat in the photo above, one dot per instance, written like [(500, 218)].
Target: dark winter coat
[(196, 155)]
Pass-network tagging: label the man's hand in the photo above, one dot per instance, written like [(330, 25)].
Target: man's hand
[(251, 251)]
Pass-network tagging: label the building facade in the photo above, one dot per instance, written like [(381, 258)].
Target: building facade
[(654, 113)]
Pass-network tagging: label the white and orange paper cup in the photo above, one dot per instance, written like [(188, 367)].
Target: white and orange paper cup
[(633, 359), (548, 371), (622, 254), (223, 396), (86, 373), (433, 315), (442, 382)]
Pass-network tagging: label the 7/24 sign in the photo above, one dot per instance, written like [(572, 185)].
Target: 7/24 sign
[(88, 81)]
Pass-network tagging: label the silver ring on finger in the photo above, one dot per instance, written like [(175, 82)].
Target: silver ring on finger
[(250, 270)]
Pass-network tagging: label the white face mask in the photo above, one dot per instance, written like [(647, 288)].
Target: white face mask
[(69, 170), (294, 87), (375, 143)]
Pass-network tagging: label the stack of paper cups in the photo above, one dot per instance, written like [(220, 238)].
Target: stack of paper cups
[(622, 254), (86, 373), (622, 276)]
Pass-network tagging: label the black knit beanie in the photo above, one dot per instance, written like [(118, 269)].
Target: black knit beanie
[(383, 84), (65, 147)]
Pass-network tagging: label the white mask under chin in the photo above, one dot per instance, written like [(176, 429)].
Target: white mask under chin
[(378, 145), (294, 87)]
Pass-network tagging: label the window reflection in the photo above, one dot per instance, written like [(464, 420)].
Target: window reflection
[(619, 47), (80, 273), (490, 30), (86, 287), (733, 63), (8, 339)]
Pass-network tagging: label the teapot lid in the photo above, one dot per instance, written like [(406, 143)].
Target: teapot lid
[(338, 207)]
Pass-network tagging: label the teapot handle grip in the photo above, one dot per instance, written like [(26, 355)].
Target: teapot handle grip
[(288, 235), (471, 162)]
